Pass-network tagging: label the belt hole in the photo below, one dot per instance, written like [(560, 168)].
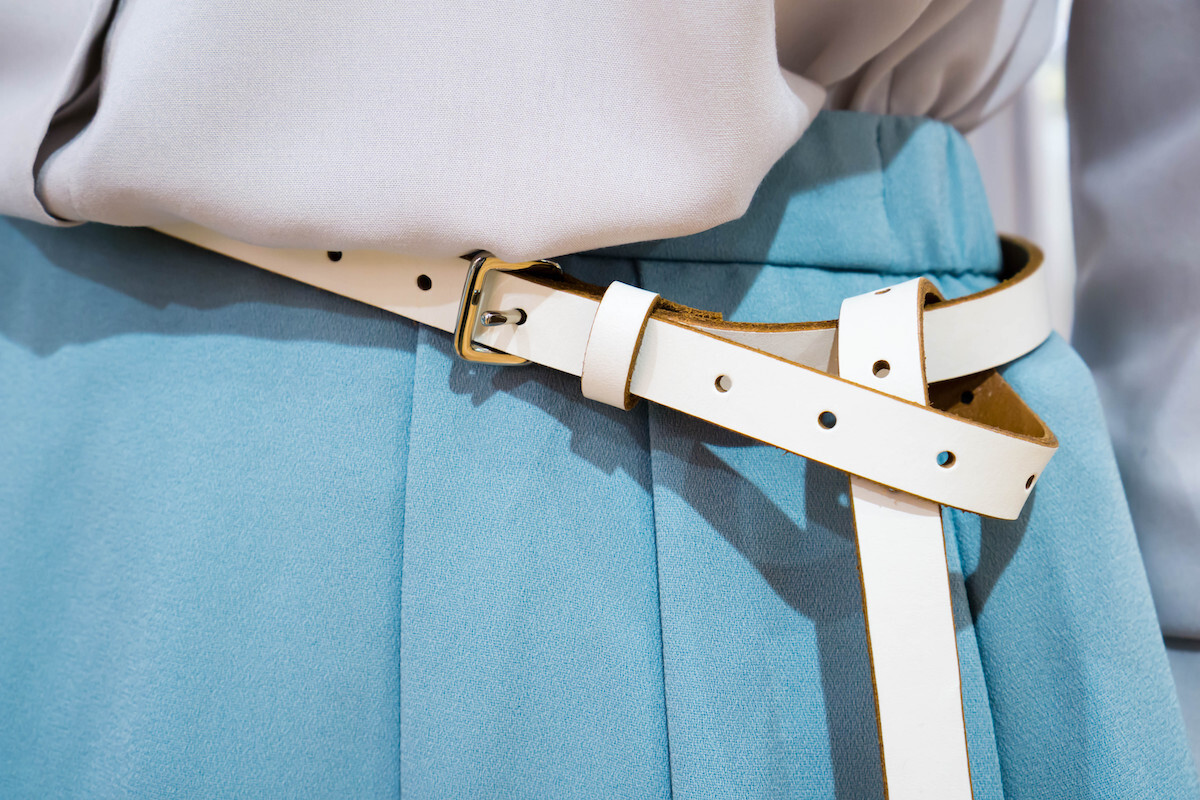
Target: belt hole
[(1029, 483), (967, 397), (723, 383), (945, 459), (334, 255), (424, 283), (884, 291), (827, 419), (881, 369)]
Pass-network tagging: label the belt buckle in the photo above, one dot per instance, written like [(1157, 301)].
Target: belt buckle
[(470, 317)]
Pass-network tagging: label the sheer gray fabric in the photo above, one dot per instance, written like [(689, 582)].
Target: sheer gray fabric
[(1134, 99)]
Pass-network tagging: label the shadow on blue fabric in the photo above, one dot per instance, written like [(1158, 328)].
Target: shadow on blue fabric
[(261, 540)]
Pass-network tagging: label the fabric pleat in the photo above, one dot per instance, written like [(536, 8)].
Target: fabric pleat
[(530, 647)]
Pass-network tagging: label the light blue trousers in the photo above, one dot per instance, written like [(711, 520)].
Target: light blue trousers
[(260, 541)]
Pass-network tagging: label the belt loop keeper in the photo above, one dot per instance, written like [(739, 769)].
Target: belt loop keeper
[(613, 343)]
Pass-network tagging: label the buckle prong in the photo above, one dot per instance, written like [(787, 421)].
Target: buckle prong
[(471, 316), (492, 319)]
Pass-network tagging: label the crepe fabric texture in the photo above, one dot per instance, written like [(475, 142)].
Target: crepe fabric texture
[(259, 540)]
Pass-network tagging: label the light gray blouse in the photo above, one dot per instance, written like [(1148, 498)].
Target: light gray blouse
[(530, 129)]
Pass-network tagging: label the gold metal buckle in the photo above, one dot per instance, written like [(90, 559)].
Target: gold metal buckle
[(470, 317)]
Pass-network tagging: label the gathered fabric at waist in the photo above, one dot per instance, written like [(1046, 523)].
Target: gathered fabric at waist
[(858, 192)]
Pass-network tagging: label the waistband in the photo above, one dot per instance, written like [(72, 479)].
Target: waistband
[(858, 192)]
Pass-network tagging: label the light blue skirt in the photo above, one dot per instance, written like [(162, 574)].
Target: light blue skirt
[(260, 541)]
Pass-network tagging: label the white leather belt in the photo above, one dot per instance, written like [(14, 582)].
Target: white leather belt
[(855, 394)]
